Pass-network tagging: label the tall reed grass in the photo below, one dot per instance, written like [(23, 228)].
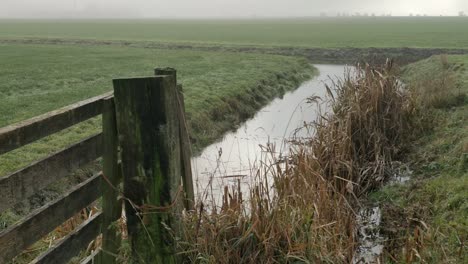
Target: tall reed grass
[(371, 119), (308, 214)]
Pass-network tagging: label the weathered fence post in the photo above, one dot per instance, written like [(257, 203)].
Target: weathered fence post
[(111, 207), (186, 152), (149, 135)]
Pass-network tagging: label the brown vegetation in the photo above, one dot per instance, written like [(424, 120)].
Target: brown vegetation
[(309, 213)]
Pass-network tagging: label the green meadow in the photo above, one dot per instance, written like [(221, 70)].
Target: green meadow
[(221, 89), (422, 32)]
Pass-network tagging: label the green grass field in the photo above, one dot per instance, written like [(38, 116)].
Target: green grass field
[(221, 89), (423, 32)]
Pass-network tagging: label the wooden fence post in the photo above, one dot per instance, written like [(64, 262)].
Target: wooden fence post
[(148, 127), (111, 207), (186, 151)]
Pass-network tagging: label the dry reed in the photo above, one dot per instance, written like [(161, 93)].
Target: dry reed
[(307, 214)]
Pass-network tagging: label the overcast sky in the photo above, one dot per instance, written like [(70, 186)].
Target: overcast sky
[(221, 8)]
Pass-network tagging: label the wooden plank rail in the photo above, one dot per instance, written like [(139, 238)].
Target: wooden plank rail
[(25, 132), (22, 184), (111, 207), (72, 244), (146, 123), (23, 234)]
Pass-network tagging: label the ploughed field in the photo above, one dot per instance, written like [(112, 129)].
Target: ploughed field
[(221, 89), (392, 32)]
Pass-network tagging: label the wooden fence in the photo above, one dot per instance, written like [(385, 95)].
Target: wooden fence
[(149, 115)]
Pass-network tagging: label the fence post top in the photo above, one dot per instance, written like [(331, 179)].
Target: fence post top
[(164, 70), (143, 78)]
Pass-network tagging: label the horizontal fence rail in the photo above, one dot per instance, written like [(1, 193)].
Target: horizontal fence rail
[(42, 221), (72, 244), (25, 132), (156, 105), (22, 184)]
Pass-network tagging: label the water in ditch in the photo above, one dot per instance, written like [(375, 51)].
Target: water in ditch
[(235, 159), (238, 155)]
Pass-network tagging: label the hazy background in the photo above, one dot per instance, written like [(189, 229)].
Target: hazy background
[(222, 8)]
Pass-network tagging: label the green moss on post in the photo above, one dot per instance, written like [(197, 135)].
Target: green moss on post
[(186, 152), (148, 127)]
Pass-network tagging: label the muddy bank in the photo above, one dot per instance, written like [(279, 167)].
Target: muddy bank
[(315, 55)]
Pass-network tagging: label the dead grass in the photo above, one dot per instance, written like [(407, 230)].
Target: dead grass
[(308, 214), (436, 86), (371, 119), (60, 232)]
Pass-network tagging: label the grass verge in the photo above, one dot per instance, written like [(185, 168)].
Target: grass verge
[(426, 219)]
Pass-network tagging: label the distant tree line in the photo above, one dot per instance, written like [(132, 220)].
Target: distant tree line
[(359, 14)]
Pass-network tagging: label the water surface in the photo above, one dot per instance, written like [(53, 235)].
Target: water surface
[(238, 155)]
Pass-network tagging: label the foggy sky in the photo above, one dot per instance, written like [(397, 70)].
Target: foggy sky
[(221, 8)]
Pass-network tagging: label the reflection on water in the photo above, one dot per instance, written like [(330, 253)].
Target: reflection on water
[(237, 157)]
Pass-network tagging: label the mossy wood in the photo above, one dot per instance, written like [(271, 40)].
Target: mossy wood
[(186, 152), (111, 206), (149, 135)]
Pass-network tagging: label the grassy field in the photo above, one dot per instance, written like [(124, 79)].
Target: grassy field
[(435, 201), (423, 32), (221, 89)]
